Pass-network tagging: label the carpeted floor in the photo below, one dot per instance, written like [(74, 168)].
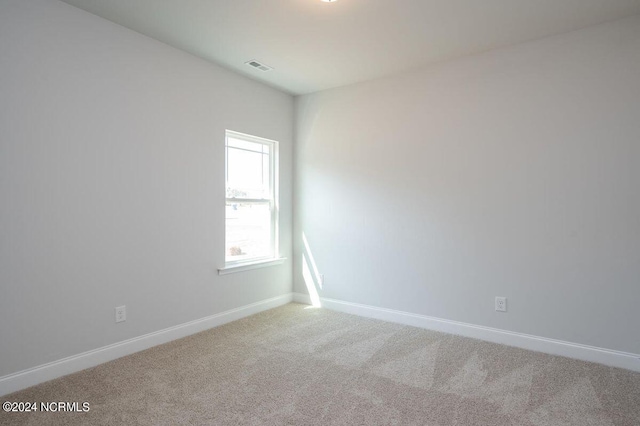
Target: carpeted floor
[(297, 365)]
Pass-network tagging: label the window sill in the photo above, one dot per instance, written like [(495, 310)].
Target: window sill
[(251, 265)]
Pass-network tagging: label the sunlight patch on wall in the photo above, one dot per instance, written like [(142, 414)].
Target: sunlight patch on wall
[(316, 274)]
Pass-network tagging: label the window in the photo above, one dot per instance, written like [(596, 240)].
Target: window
[(251, 202)]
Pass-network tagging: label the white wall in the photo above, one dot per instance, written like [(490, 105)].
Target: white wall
[(111, 183), (512, 173)]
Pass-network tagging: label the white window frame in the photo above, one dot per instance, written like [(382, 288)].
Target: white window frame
[(272, 201)]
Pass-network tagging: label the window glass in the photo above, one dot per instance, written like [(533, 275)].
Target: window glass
[(251, 210)]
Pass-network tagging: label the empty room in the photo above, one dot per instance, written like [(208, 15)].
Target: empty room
[(320, 212)]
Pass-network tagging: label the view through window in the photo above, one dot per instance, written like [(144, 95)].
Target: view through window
[(251, 208)]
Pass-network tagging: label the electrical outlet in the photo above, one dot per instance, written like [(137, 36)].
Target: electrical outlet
[(501, 304), (121, 313)]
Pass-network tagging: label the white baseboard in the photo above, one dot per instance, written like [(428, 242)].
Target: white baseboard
[(302, 298), (42, 373), (608, 357)]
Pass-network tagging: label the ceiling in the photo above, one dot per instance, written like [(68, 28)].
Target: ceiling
[(313, 45)]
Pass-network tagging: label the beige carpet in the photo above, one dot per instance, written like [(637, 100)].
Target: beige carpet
[(297, 366)]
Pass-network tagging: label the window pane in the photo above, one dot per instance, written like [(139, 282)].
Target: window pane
[(248, 231), (246, 176), (266, 168), (250, 225), (238, 143)]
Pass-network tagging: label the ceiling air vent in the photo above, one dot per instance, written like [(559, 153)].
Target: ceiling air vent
[(259, 66)]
